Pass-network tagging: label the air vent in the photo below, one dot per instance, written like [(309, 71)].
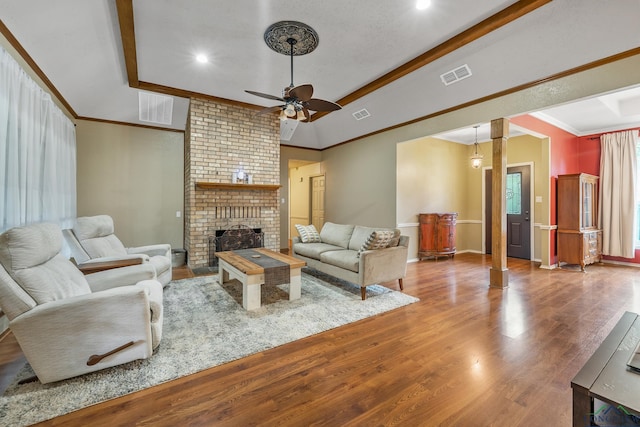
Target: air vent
[(287, 127), (155, 108), (456, 75), (362, 114)]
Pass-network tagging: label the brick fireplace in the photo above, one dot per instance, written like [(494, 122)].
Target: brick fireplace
[(219, 140)]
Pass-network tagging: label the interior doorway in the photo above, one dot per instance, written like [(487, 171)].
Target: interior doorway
[(306, 195), (518, 207), (317, 201)]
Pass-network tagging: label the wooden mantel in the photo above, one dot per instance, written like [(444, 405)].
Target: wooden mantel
[(230, 186)]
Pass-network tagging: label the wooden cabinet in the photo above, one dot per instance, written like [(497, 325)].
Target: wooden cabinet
[(437, 235), (579, 240)]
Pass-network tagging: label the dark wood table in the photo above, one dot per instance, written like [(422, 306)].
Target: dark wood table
[(607, 378)]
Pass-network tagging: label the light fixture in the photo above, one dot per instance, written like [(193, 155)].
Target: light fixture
[(201, 58), (423, 4), (476, 159), (290, 110)]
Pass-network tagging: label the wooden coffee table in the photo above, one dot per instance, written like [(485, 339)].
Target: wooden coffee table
[(251, 275)]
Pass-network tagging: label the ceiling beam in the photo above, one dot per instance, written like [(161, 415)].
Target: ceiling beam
[(598, 63), (128, 37), (504, 17)]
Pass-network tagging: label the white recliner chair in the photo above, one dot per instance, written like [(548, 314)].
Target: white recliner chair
[(68, 324), (92, 239)]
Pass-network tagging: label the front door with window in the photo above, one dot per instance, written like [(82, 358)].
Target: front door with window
[(518, 211)]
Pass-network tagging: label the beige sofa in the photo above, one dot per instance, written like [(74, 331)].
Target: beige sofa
[(339, 253)]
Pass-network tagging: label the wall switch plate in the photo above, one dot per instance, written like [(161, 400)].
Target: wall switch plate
[(538, 199), (178, 214)]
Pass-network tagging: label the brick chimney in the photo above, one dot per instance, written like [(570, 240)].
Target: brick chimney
[(221, 139)]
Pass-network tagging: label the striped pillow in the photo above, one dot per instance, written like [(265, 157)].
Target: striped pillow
[(308, 233), (379, 239)]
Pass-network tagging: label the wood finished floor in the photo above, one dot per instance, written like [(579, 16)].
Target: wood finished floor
[(465, 355)]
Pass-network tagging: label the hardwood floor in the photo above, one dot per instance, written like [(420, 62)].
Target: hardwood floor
[(465, 355)]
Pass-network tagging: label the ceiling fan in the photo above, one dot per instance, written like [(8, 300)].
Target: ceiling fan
[(297, 100)]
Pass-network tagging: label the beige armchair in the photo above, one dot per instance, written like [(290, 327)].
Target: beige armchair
[(66, 323), (92, 239)]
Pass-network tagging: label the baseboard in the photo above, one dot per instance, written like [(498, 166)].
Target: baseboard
[(627, 264)]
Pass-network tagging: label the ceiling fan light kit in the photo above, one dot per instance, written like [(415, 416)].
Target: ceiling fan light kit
[(294, 38)]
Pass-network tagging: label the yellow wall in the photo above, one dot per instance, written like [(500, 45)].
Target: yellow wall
[(300, 195), (287, 154), (431, 178), (135, 175), (520, 150)]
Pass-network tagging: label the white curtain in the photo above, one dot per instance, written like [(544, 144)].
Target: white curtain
[(37, 153), (617, 193)]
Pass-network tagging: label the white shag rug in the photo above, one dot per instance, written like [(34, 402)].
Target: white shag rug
[(204, 326)]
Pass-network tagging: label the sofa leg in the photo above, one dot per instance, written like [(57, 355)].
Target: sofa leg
[(401, 284), (363, 292)]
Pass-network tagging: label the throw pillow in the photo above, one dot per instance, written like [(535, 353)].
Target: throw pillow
[(379, 239), (308, 233)]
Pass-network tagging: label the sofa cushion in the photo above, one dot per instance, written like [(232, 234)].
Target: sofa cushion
[(346, 259), (336, 234), (308, 233), (380, 239), (313, 250)]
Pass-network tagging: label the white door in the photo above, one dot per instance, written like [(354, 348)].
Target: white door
[(317, 201)]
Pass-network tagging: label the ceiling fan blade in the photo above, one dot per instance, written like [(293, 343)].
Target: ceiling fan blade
[(270, 109), (321, 105), (302, 92), (307, 115), (265, 95)]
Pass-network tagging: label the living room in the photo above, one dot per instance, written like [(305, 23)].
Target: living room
[(137, 174)]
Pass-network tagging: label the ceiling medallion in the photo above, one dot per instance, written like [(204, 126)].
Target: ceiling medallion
[(278, 34)]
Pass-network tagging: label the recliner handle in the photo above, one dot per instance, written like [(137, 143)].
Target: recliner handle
[(95, 358)]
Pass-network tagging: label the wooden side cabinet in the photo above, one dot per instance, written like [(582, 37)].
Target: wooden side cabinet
[(437, 235), (579, 239)]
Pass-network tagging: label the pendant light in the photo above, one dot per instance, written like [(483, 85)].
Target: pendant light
[(476, 159)]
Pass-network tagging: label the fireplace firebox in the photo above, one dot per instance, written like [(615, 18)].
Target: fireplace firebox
[(234, 238)]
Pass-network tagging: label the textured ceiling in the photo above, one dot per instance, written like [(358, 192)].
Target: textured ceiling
[(363, 45)]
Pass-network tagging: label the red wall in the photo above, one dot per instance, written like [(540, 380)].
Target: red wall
[(565, 158), (569, 154)]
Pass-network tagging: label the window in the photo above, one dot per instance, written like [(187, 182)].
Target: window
[(514, 193)]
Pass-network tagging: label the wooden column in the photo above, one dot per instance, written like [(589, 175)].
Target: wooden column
[(499, 274)]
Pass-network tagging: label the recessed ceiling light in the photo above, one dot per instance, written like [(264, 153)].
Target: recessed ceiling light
[(423, 4), (202, 58)]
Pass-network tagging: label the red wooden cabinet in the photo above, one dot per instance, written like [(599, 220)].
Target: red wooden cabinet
[(437, 235)]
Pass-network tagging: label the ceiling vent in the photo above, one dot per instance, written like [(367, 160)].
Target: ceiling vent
[(287, 127), (361, 114), (155, 108), (456, 75)]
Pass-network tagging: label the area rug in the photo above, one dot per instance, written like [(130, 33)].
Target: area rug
[(205, 326)]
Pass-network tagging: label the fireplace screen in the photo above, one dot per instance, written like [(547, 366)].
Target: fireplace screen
[(236, 237)]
